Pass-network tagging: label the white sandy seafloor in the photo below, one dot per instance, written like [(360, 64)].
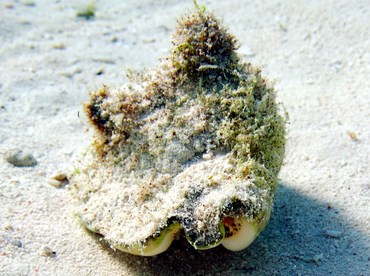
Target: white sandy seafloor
[(318, 54)]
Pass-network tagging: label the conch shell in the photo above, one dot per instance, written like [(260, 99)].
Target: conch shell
[(192, 147)]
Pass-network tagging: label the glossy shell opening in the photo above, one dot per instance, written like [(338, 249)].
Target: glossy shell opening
[(240, 233)]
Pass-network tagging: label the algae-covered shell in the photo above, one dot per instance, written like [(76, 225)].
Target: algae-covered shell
[(193, 146)]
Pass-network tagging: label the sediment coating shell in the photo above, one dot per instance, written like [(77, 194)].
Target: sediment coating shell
[(194, 145)]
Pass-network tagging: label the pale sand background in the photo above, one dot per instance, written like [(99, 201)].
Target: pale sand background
[(318, 52)]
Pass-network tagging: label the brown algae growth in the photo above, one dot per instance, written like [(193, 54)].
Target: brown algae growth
[(193, 146)]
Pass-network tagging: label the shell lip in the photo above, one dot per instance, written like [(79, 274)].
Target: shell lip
[(234, 239), (154, 245)]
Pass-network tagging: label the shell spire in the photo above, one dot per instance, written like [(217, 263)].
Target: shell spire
[(202, 48)]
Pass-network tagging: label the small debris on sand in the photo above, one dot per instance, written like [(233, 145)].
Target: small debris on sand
[(19, 158), (333, 234), (7, 226), (352, 135), (59, 46), (47, 252), (16, 243), (318, 257), (58, 180)]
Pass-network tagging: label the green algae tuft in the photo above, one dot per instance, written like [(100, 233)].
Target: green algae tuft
[(194, 146)]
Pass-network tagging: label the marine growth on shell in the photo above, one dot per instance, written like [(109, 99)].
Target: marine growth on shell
[(192, 147)]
